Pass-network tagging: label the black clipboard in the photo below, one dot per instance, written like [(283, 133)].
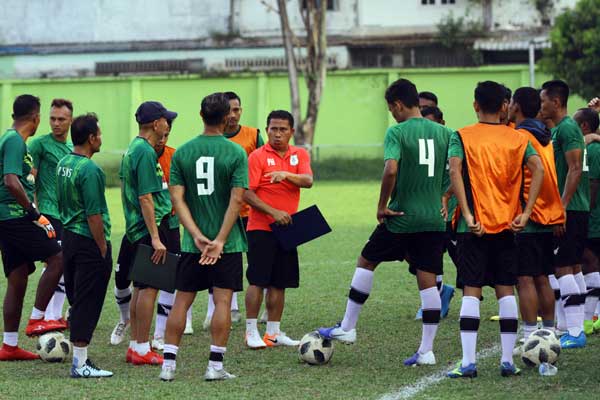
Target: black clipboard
[(158, 276), (306, 225)]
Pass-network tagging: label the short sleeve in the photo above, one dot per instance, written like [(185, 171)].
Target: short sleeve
[(455, 148), (92, 189), (255, 171), (176, 175), (304, 163), (529, 151), (147, 179), (593, 161), (259, 140), (239, 177), (35, 149), (571, 138), (12, 159), (391, 145)]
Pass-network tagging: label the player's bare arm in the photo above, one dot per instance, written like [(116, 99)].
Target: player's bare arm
[(12, 183), (304, 181), (147, 206), (575, 165), (97, 230), (185, 216), (534, 165), (591, 137), (458, 186), (388, 181), (280, 217), (595, 104), (445, 199)]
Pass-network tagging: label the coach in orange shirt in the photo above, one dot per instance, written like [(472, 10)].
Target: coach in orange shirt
[(277, 172)]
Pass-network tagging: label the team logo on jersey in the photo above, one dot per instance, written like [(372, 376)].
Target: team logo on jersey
[(159, 171), (270, 162), (294, 160)]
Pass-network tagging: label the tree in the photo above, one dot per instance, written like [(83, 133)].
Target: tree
[(575, 52), (314, 69)]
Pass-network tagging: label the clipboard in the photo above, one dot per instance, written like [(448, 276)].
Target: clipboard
[(158, 276), (306, 225)]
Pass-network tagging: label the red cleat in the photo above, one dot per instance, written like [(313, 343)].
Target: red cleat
[(14, 353), (36, 327), (63, 322), (151, 358), (129, 355)]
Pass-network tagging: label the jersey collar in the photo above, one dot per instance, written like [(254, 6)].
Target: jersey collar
[(287, 154)]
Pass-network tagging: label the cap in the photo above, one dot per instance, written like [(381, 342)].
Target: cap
[(150, 111)]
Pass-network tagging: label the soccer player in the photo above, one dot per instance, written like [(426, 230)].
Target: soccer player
[(26, 236), (427, 99), (250, 139), (434, 114), (277, 172), (504, 119), (536, 241), (86, 244), (588, 122), (573, 184), (209, 175), (410, 224), (46, 151), (147, 208), (486, 161)]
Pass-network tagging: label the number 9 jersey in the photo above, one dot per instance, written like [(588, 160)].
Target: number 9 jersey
[(420, 147), (208, 167)]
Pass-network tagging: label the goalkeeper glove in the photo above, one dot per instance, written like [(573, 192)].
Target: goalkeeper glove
[(38, 219)]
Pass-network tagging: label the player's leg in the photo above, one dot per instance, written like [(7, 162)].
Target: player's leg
[(559, 311), (144, 311), (592, 281), (546, 294), (54, 311), (529, 265), (235, 309), (122, 292), (163, 308), (133, 325), (174, 331), (254, 298), (210, 309), (220, 328), (189, 328)]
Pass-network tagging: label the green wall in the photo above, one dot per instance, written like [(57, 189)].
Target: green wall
[(353, 110)]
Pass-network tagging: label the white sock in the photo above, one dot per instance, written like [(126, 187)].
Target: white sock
[(360, 288), (273, 327), (142, 348), (188, 316), (439, 282), (215, 359), (37, 314), (528, 329), (211, 306), (597, 309), (163, 308), (58, 299), (132, 345), (11, 338), (79, 356), (123, 297), (469, 324), (170, 355), (251, 325), (49, 313), (569, 293), (234, 303), (509, 322), (592, 281), (431, 305)]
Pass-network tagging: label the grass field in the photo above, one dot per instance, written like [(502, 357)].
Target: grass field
[(372, 368)]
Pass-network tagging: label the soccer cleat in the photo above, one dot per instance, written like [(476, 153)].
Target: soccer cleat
[(279, 339), (264, 317), (89, 370), (419, 314), (158, 344), (167, 374), (15, 353), (118, 334), (63, 322), (470, 371), (253, 340), (588, 327), (150, 358), (559, 332), (446, 297), (420, 359), (128, 355), (495, 318), (236, 316), (213, 374), (337, 333), (508, 369), (573, 342), (37, 327)]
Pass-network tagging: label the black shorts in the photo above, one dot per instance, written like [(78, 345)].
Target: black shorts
[(227, 273), (423, 250), (269, 265), (23, 242), (593, 245), (173, 237), (536, 253), (568, 249), (57, 225), (488, 260)]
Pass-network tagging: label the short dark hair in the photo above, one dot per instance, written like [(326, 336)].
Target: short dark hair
[(214, 108), (25, 106), (590, 116), (528, 100), (403, 90), (82, 127), (58, 103), (233, 96), (557, 89), (508, 94), (490, 96), (281, 114), (438, 115), (429, 96)]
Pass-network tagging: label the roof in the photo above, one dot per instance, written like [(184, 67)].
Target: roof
[(509, 43)]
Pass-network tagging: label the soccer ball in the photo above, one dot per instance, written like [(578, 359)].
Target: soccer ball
[(53, 347), (314, 349), (541, 347)]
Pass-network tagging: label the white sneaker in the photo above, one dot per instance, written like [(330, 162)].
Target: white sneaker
[(167, 374), (189, 329), (254, 341), (206, 323), (89, 370), (337, 333), (264, 317), (280, 339), (420, 359), (212, 374), (158, 344), (236, 316), (118, 334)]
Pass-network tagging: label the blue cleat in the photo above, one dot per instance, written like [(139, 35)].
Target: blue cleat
[(420, 359), (419, 314), (446, 297), (470, 371), (508, 369), (573, 342), (337, 333)]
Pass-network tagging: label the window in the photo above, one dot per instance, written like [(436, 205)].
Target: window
[(426, 2), (432, 2), (331, 4), (447, 1)]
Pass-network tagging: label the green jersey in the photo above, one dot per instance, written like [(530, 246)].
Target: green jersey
[(208, 167), (47, 152), (420, 146), (593, 162), (567, 136), (14, 159), (141, 174), (80, 185)]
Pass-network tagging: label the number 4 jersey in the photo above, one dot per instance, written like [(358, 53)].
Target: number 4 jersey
[(208, 167), (420, 146)]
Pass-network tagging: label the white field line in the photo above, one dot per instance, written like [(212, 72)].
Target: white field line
[(426, 382)]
